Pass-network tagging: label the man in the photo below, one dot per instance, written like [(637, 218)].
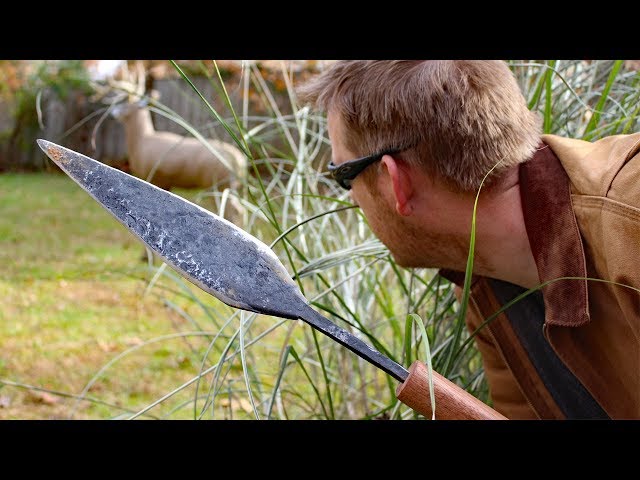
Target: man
[(552, 208)]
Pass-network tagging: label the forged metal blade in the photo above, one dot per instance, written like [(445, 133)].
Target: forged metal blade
[(208, 250), (211, 252)]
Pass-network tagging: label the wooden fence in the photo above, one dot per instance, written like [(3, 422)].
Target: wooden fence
[(78, 124)]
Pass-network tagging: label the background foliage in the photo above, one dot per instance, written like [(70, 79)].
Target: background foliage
[(236, 364)]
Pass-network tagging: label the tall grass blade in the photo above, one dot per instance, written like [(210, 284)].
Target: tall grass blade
[(294, 354), (595, 118), (427, 355), (548, 100)]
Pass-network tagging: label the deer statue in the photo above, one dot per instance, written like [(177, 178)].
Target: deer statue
[(169, 160)]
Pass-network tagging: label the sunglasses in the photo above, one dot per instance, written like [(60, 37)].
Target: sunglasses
[(346, 172)]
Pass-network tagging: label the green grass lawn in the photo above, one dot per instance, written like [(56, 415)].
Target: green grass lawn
[(78, 291), (89, 328), (72, 283)]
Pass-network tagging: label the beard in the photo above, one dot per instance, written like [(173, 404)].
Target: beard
[(429, 250), (416, 246)]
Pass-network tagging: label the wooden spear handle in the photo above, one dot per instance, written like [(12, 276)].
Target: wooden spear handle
[(452, 402)]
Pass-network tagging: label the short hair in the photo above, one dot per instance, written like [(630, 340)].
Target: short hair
[(462, 116)]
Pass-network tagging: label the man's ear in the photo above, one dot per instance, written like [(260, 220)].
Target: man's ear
[(401, 182)]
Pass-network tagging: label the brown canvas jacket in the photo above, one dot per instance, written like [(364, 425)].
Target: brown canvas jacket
[(572, 349)]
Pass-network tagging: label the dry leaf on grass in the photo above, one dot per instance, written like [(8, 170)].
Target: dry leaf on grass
[(107, 347), (42, 397), (133, 341), (243, 403)]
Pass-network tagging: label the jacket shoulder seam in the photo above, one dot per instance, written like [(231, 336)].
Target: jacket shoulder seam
[(629, 154)]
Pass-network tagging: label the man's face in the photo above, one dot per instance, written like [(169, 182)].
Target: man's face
[(377, 203)]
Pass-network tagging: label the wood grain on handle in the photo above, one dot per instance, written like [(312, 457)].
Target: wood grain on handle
[(452, 402)]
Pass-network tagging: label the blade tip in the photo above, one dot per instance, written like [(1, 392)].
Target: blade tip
[(51, 150)]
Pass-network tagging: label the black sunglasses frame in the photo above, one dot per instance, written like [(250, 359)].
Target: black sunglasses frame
[(346, 172)]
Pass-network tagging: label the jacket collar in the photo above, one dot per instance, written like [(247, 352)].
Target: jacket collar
[(554, 238)]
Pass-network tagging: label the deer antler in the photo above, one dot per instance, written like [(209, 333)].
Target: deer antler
[(107, 94), (130, 87), (140, 78)]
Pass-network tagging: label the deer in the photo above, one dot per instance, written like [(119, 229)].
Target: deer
[(169, 160)]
